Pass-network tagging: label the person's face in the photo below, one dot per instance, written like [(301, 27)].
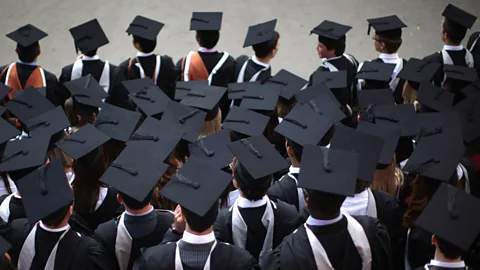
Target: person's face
[(379, 46), (274, 52), (323, 52)]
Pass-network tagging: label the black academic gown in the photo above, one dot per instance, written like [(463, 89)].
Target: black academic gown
[(75, 251), (420, 248), (387, 213), (397, 93), (223, 257), (109, 209), (429, 267), (54, 93), (251, 69), (285, 190), (161, 221), (472, 39), (286, 221), (17, 210), (296, 253)]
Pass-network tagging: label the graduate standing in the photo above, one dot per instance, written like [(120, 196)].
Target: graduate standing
[(473, 44)]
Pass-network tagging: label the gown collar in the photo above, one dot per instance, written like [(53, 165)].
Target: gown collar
[(320, 222)]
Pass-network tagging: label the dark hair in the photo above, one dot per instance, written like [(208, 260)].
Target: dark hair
[(146, 45), (198, 223), (448, 250), (265, 48), (73, 108), (323, 203), (56, 218), (208, 39), (297, 149), (422, 190), (339, 44), (29, 53), (90, 53), (391, 46), (455, 32), (158, 200), (253, 190), (5, 263), (134, 204), (328, 136), (361, 186)]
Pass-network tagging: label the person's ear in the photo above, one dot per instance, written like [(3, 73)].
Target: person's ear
[(39, 51), (434, 240), (79, 118), (94, 116), (307, 201), (119, 199), (70, 210), (16, 50), (289, 150), (235, 184)]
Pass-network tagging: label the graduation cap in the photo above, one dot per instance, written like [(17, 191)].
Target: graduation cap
[(459, 16), (401, 116), (333, 80), (324, 169), (213, 149), (182, 88), (28, 104), (23, 154), (4, 246), (8, 131), (331, 30), (435, 97), (88, 36), (314, 91), (375, 97), (205, 97), (147, 96), (376, 71), (132, 175), (389, 27), (27, 35), (261, 97), (246, 122), (469, 110), (87, 91), (185, 119), (45, 191), (452, 215), (368, 146), (117, 123), (4, 90), (289, 83), (260, 33), (196, 186), (326, 105), (48, 123), (257, 157), (304, 126), (418, 71), (82, 142), (145, 28), (206, 21), (460, 73), (2, 110), (444, 124), (388, 134), (237, 90)]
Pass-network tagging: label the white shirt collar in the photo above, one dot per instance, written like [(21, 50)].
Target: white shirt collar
[(244, 203), (459, 264), (142, 54), (332, 58), (320, 222), (255, 60), (293, 170), (198, 239), (62, 229), (389, 56), (452, 48), (35, 64), (205, 50), (88, 58), (139, 215)]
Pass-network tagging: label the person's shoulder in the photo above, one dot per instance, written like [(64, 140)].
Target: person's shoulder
[(436, 56), (67, 69), (166, 59), (238, 256), (124, 64), (383, 196), (107, 228), (287, 213), (49, 75), (159, 251), (241, 59)]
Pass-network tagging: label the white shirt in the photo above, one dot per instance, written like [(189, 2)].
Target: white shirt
[(293, 170), (206, 50), (332, 58), (198, 239), (320, 222), (356, 205), (459, 264), (233, 196), (3, 188), (88, 58), (139, 215), (244, 203), (256, 61), (62, 229), (452, 48), (101, 197), (390, 58), (142, 54), (35, 64)]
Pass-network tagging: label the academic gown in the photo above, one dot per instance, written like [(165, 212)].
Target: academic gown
[(296, 253), (473, 37), (420, 248), (439, 268), (285, 190), (286, 220), (54, 93), (223, 257), (387, 212), (251, 69), (146, 231), (17, 210), (75, 251), (110, 208), (397, 93)]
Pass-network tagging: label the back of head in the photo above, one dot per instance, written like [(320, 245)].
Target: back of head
[(423, 189), (208, 39), (455, 32), (448, 250), (338, 44), (323, 204), (133, 204), (56, 218), (265, 48), (198, 223), (252, 189), (297, 149), (29, 53), (146, 45), (90, 53)]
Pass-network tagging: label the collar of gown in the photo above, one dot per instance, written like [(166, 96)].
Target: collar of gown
[(459, 264), (35, 64), (62, 229), (205, 50), (320, 222), (88, 58), (452, 48), (142, 214), (142, 54), (198, 239), (256, 61), (244, 203)]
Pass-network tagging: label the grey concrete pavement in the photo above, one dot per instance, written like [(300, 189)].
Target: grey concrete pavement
[(295, 20)]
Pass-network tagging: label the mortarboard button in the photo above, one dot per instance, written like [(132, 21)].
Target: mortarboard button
[(260, 33), (27, 35), (88, 36), (261, 97), (82, 142), (145, 28), (24, 154), (375, 97), (376, 71), (117, 123), (245, 121), (331, 30), (151, 100), (435, 97), (87, 91), (185, 119), (388, 27), (326, 105), (182, 88), (289, 83), (388, 134), (28, 104), (213, 149), (459, 16), (206, 21)]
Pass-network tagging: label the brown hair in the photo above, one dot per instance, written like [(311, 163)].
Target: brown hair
[(74, 109), (409, 94), (284, 108), (4, 177), (158, 200), (57, 153), (422, 191), (388, 179), (210, 127)]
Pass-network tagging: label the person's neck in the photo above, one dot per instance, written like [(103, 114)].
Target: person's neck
[(265, 60), (295, 163), (441, 258), (139, 211), (207, 231), (450, 43), (63, 224), (322, 216)]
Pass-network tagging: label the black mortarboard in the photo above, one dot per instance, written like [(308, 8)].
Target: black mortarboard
[(132, 175), (150, 99), (213, 149), (459, 16), (117, 123), (289, 83), (469, 110), (24, 154), (376, 71), (145, 28), (390, 136), (261, 97), (88, 36), (375, 97), (184, 118), (196, 186), (313, 91), (329, 170), (331, 30), (460, 73), (418, 71), (260, 33), (206, 21), (452, 215), (237, 90), (4, 90), (435, 97), (48, 123), (87, 91), (258, 157), (182, 88), (205, 97), (304, 126), (82, 142), (245, 121), (326, 105), (444, 124), (28, 104), (45, 191), (389, 27), (4, 246), (400, 116), (27, 35), (333, 80), (2, 110), (8, 131)]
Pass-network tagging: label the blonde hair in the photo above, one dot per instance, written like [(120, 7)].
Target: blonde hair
[(284, 108), (213, 126), (389, 179), (157, 199), (409, 94)]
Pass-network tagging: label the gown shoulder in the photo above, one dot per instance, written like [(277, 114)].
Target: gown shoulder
[(284, 190)]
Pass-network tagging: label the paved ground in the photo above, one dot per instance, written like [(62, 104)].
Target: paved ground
[(295, 20)]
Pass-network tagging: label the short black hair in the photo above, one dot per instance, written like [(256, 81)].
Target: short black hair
[(253, 190), (321, 202), (134, 204), (392, 46), (448, 250), (198, 223), (265, 48), (91, 53), (29, 53), (208, 39), (56, 217), (297, 149), (328, 136), (338, 44), (147, 46), (455, 32)]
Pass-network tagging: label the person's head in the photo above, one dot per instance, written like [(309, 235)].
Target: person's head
[(211, 126), (422, 190), (28, 54), (252, 189), (131, 203), (328, 136), (323, 205), (157, 199), (208, 39), (78, 114), (294, 151), (6, 263), (200, 224), (268, 49), (386, 45), (361, 186), (58, 217), (452, 32), (448, 250), (329, 48), (57, 153), (387, 179), (91, 53), (144, 45)]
